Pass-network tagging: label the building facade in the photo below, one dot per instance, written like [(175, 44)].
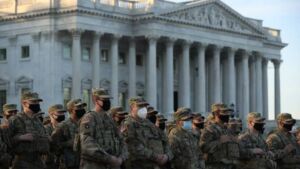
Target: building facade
[(188, 54)]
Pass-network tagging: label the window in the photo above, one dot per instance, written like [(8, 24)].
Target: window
[(86, 98), (122, 58), (139, 60), (3, 54), (2, 99), (104, 55), (25, 52), (86, 54), (67, 51), (67, 96)]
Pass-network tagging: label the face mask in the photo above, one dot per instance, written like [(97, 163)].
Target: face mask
[(162, 126), (60, 118), (35, 108), (259, 127), (199, 125), (80, 113), (224, 118), (106, 104), (152, 118), (142, 113), (288, 127), (187, 125)]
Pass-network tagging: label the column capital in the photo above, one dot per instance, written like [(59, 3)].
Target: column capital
[(246, 54), (171, 40), (202, 45), (265, 60), (152, 38), (232, 49), (76, 32), (116, 36), (187, 43), (276, 63), (97, 35), (217, 47)]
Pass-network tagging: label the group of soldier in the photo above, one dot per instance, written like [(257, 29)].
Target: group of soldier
[(111, 138)]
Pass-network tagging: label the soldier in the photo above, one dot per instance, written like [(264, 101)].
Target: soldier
[(297, 135), (56, 115), (256, 154), (197, 125), (9, 110), (5, 158), (284, 144), (233, 127), (118, 115), (147, 147), (151, 114), (222, 149), (64, 134), (161, 122), (101, 144), (187, 153), (29, 138)]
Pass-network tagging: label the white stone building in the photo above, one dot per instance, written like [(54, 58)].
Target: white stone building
[(174, 54)]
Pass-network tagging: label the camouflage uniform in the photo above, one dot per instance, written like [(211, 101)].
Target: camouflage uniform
[(187, 153), (219, 155), (144, 140), (249, 141), (64, 136), (99, 138), (5, 158), (28, 154), (53, 159), (279, 139)]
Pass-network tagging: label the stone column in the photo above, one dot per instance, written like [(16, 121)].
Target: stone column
[(253, 84), (245, 85), (201, 95), (114, 51), (277, 86), (76, 63), (168, 76), (132, 68), (265, 88), (186, 84), (259, 94), (151, 78), (216, 75), (231, 77), (96, 60)]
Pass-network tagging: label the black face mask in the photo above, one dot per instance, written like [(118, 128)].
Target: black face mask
[(35, 108), (80, 113), (224, 118), (152, 119), (106, 104), (199, 125), (60, 118), (288, 127), (162, 126), (259, 127)]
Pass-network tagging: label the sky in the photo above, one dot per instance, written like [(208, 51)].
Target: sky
[(283, 15)]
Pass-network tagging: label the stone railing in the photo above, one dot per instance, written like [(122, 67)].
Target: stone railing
[(272, 34)]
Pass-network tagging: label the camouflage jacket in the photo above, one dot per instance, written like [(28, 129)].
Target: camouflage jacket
[(277, 142), (187, 153), (217, 152), (145, 142), (248, 141), (63, 136), (100, 139), (22, 124)]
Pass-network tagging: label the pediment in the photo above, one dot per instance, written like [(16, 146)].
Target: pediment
[(213, 14)]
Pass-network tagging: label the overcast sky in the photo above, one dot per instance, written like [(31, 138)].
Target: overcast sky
[(283, 15)]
